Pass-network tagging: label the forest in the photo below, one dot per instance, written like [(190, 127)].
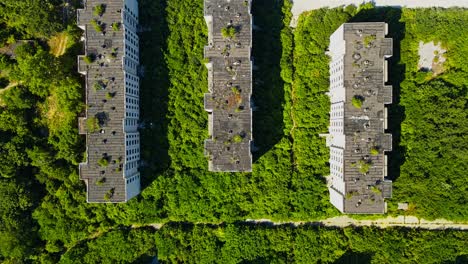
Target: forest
[(249, 243), (43, 209)]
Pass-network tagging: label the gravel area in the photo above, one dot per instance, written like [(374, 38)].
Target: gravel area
[(300, 6)]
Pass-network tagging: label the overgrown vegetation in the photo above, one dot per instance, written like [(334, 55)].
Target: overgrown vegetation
[(428, 159), (241, 243), (43, 202)]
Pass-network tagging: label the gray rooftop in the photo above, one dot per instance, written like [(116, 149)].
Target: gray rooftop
[(109, 140), (364, 77), (229, 85)]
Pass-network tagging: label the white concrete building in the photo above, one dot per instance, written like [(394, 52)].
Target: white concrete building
[(110, 67), (356, 138)]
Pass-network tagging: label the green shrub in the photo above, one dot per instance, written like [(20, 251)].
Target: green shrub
[(110, 95), (99, 27), (92, 124), (101, 181), (357, 101), (116, 26), (103, 162), (368, 39), (364, 166), (90, 58), (99, 85), (237, 139), (376, 190), (229, 32), (99, 10), (374, 151)]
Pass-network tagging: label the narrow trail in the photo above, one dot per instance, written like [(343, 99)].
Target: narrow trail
[(345, 221), (294, 126)]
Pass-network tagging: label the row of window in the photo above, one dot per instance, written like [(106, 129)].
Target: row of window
[(132, 53), (130, 20), (131, 64), (132, 142), (130, 12), (337, 110), (133, 157), (132, 77), (132, 179), (336, 170), (336, 126), (131, 165), (131, 114), (131, 122), (131, 37)]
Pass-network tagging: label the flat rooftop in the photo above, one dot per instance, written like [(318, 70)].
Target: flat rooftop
[(229, 85), (364, 79), (105, 91)]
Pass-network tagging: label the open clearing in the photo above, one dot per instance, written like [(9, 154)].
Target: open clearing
[(58, 44), (431, 57)]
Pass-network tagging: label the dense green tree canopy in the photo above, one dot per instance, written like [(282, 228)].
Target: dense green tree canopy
[(45, 217)]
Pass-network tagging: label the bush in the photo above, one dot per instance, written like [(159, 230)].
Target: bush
[(364, 166), (99, 10), (99, 85), (101, 181), (116, 26), (357, 101), (110, 95), (92, 125), (98, 26), (103, 162), (90, 58), (229, 32), (237, 139), (374, 151)]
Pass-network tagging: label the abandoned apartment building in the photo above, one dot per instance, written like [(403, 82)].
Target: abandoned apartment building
[(110, 66), (358, 118), (229, 84)]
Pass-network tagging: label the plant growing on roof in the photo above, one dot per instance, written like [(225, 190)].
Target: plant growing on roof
[(368, 40), (229, 32), (375, 190), (98, 26), (99, 85), (92, 124), (374, 151), (357, 101), (90, 58), (235, 90), (109, 194), (110, 95), (114, 53), (101, 181), (116, 26), (99, 10), (350, 194), (103, 162), (364, 166), (237, 139)]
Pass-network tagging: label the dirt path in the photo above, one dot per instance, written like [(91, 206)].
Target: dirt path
[(400, 221), (345, 221)]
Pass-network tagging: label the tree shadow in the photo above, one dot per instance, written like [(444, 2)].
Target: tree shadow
[(396, 112), (268, 86), (154, 89)]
